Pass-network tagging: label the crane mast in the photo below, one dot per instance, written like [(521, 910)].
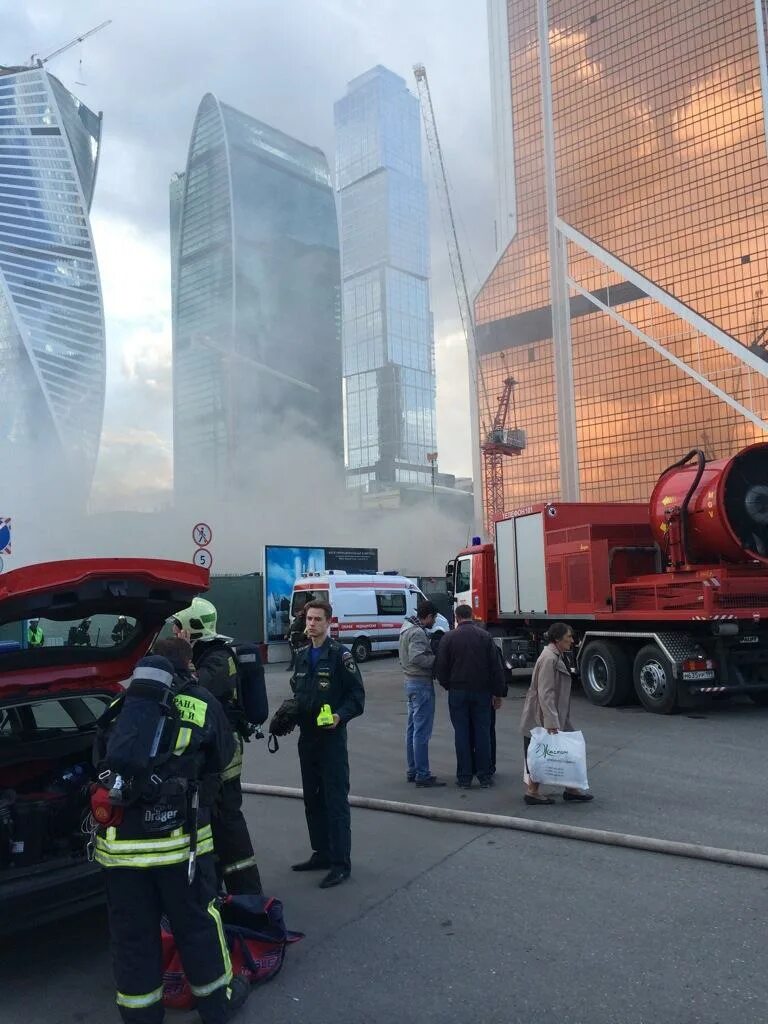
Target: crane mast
[(498, 441)]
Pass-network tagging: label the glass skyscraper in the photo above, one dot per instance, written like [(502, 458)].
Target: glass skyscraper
[(256, 301), (389, 364), (52, 342), (630, 296)]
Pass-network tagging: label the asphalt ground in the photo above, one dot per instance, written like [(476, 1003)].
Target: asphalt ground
[(444, 923)]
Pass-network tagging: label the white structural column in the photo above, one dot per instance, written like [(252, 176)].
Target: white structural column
[(502, 124), (761, 11), (558, 261)]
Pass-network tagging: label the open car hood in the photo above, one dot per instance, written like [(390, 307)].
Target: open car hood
[(145, 589)]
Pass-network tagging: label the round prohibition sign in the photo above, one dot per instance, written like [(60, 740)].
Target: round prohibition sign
[(203, 558), (202, 534)]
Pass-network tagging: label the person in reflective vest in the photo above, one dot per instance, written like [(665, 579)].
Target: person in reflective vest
[(153, 839), (35, 635), (216, 666)]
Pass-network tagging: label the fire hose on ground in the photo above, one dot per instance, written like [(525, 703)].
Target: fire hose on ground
[(738, 858)]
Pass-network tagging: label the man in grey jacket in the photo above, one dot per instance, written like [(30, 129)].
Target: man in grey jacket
[(417, 662)]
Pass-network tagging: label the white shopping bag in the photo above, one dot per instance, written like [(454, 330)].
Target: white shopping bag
[(559, 759)]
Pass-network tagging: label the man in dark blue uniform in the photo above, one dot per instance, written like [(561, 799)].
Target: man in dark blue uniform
[(326, 674)]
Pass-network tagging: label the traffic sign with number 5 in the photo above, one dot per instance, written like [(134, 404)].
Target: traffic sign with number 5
[(203, 558)]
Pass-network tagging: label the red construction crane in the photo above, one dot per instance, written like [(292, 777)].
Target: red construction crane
[(499, 440)]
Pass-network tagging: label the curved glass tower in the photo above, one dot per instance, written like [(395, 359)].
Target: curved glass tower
[(256, 300), (52, 342)]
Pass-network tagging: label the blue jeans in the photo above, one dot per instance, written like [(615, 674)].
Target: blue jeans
[(420, 694), (471, 718)]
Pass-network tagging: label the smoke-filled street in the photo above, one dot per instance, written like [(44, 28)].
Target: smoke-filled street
[(447, 922)]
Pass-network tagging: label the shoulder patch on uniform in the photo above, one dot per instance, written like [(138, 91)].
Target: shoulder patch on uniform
[(349, 662), (191, 709)]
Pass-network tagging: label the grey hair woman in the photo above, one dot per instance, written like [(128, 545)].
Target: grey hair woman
[(548, 705)]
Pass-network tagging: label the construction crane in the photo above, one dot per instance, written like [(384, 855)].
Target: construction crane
[(500, 442), (497, 441), (38, 62)]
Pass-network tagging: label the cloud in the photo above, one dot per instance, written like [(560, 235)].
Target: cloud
[(284, 62), (135, 471)]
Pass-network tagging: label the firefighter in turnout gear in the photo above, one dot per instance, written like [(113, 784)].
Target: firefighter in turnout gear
[(216, 666), (35, 635), (326, 674), (159, 750), (121, 630)]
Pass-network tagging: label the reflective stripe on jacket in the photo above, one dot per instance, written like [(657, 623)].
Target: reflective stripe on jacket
[(149, 852)]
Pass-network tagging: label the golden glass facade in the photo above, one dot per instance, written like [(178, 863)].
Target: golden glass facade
[(661, 159)]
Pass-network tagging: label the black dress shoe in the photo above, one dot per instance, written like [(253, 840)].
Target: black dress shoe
[(429, 783), (464, 783), (581, 798), (315, 863), (334, 877), (486, 783)]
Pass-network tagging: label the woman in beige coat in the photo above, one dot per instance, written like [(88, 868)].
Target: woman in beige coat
[(548, 704)]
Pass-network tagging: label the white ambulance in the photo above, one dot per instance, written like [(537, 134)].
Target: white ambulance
[(368, 608)]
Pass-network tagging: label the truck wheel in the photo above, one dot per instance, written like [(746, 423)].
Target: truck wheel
[(361, 649), (655, 683), (606, 674)]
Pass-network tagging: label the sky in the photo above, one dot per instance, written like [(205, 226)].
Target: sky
[(284, 62)]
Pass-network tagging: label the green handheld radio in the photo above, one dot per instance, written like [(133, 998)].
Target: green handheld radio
[(325, 717)]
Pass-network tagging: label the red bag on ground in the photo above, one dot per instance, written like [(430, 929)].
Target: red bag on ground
[(177, 995), (257, 940)]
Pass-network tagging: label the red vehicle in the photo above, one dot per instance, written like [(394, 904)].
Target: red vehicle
[(51, 695), (669, 599)]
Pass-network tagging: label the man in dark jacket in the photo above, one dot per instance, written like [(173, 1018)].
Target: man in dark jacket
[(216, 667), (469, 668), (326, 674)]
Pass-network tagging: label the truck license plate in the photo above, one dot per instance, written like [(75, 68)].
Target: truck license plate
[(698, 675)]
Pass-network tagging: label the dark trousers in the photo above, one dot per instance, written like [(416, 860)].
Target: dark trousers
[(325, 780), (471, 718), (136, 899), (232, 841), (493, 743)]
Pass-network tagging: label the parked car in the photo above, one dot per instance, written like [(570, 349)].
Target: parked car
[(51, 696)]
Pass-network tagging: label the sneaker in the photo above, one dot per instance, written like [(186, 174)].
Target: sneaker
[(239, 990), (430, 783)]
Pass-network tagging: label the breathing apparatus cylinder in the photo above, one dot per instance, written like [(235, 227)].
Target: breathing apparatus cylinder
[(139, 732)]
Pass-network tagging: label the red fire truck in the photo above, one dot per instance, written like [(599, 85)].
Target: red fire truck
[(669, 600)]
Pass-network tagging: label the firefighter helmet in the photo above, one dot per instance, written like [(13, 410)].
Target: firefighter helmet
[(199, 620)]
